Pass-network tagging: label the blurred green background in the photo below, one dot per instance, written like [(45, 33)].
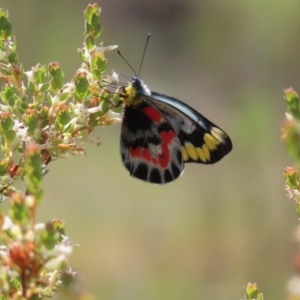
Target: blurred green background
[(217, 227)]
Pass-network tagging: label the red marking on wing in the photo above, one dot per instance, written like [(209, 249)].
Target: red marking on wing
[(163, 158), (168, 137), (153, 114), (142, 153)]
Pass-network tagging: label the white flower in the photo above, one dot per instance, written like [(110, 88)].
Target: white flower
[(21, 131), (7, 224), (107, 48), (47, 145)]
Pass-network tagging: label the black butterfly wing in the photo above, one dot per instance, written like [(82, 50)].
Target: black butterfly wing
[(150, 147), (201, 140)]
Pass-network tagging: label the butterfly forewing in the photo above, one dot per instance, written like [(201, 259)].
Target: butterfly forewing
[(150, 148)]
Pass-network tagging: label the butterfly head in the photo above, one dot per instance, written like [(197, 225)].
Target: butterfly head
[(132, 94)]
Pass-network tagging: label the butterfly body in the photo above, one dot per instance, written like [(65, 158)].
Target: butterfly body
[(160, 134)]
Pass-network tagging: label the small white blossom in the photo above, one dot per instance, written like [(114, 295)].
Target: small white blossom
[(293, 286), (21, 130), (30, 200), (64, 248), (7, 224), (53, 264), (113, 78), (82, 113), (39, 227), (29, 75), (47, 145), (51, 132), (106, 48), (93, 110)]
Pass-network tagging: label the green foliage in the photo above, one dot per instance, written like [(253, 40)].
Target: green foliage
[(291, 138), (42, 120), (251, 292)]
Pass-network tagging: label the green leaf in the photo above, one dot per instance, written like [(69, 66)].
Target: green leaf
[(56, 83), (96, 74), (6, 122), (31, 87), (5, 27), (44, 87), (43, 112), (117, 110), (33, 168), (63, 114), (82, 55), (97, 31), (98, 62), (56, 76), (105, 106), (7, 92), (30, 118), (39, 75), (3, 167), (12, 101), (64, 96), (19, 211), (59, 226), (10, 135), (116, 100), (21, 107), (95, 19), (13, 58), (40, 98), (251, 292), (81, 85), (50, 236), (91, 10), (293, 103), (89, 42), (21, 150)]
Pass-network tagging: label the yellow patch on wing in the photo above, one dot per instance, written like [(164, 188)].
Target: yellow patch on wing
[(211, 142), (206, 151), (218, 134), (185, 155), (201, 154), (191, 151)]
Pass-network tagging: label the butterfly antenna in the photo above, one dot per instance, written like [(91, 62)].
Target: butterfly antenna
[(129, 65), (124, 76), (148, 38)]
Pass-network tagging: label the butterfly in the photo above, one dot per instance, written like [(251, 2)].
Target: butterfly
[(159, 134)]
